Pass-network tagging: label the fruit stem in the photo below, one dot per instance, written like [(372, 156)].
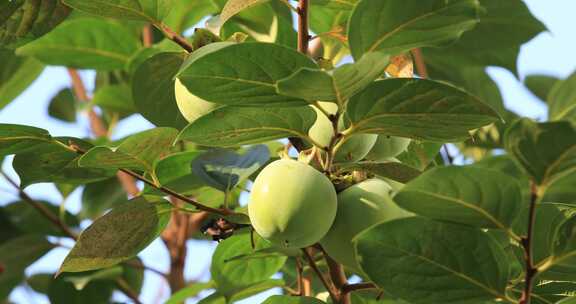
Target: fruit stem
[(526, 242)]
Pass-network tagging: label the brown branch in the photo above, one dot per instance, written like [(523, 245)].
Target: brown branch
[(170, 34), (303, 32), (54, 219), (125, 288), (359, 286), (175, 237), (526, 242), (147, 37), (327, 284), (338, 276)]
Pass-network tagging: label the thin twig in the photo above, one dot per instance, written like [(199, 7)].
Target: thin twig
[(170, 34), (327, 284), (359, 286), (526, 242), (40, 208), (125, 288), (299, 277)]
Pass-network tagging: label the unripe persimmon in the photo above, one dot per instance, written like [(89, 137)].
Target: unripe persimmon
[(191, 106), (388, 146)]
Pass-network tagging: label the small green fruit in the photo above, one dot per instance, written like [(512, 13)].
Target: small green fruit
[(191, 106), (292, 204), (388, 146), (359, 207), (356, 147)]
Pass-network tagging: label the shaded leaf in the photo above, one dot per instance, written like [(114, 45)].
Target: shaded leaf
[(19, 138), (63, 106), (423, 261), (242, 74), (118, 236), (16, 74), (562, 100), (189, 292), (291, 300), (153, 90), (540, 85), (465, 195), (29, 220), (394, 27), (15, 256), (100, 196), (389, 169), (63, 291), (84, 43), (233, 7), (225, 169), (115, 98), (417, 108), (232, 126), (546, 151)]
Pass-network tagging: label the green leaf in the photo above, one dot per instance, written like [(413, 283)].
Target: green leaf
[(15, 256), (546, 151), (465, 195), (63, 106), (19, 138), (291, 300), (40, 282), (571, 300), (61, 290), (254, 289), (242, 74), (394, 27), (100, 196), (29, 220), (417, 108), (139, 151), (540, 85), (420, 155), (390, 169), (225, 169), (118, 236), (153, 90), (115, 98), (84, 43), (189, 292), (234, 7), (336, 4), (16, 74), (562, 100), (338, 85), (81, 281), (22, 21), (51, 162), (231, 275), (151, 11), (232, 125), (423, 261)]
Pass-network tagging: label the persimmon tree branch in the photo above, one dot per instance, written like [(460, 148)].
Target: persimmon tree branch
[(526, 242), (170, 34), (327, 284)]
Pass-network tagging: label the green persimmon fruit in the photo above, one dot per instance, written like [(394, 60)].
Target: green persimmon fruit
[(292, 204), (322, 130), (388, 146), (191, 106), (359, 207), (356, 147)]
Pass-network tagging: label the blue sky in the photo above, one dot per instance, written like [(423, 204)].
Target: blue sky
[(550, 53)]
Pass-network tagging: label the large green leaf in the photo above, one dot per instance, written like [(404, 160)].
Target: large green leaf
[(151, 11), (234, 7), (22, 21), (15, 256), (242, 74), (51, 162), (338, 85), (84, 43), (546, 151), (397, 26), (417, 108), (118, 236), (231, 275), (466, 195), (139, 151), (423, 261), (30, 220), (19, 138), (291, 300), (62, 290), (562, 100), (540, 85), (232, 125), (153, 90), (16, 74)]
